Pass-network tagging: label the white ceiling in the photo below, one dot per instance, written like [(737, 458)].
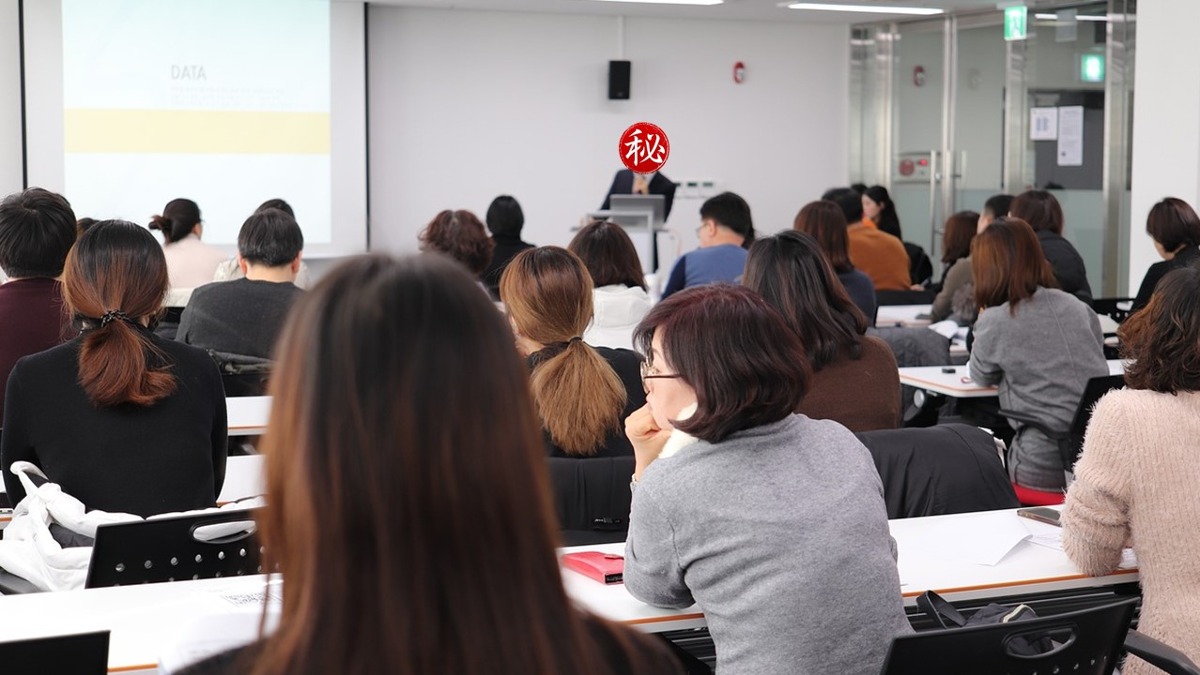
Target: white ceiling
[(750, 10)]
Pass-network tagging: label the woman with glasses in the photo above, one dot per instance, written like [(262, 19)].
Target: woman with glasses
[(772, 523)]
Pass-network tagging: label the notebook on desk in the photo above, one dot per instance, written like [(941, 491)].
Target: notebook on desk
[(607, 568)]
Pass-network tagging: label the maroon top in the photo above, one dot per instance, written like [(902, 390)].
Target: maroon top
[(32, 320)]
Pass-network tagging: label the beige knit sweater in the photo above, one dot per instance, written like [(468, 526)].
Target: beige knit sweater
[(1138, 481)]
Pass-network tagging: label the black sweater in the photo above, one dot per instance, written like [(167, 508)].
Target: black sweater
[(127, 458), (1158, 270), (1067, 264)]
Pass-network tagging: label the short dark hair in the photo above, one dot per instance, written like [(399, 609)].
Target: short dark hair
[(1007, 264), (505, 217), (1173, 223), (826, 223), (731, 211), (179, 217), (37, 230), (1038, 208), (998, 205), (1161, 342), (276, 203), (959, 230), (735, 350), (270, 237), (609, 255), (848, 200), (460, 235)]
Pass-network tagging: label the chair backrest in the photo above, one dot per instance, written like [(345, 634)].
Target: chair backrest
[(80, 654), (591, 498), (1087, 642), (903, 297), (242, 375), (920, 267), (202, 546), (1095, 389), (1117, 309), (949, 468)]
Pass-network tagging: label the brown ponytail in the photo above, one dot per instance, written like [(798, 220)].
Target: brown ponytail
[(579, 397), (116, 279)]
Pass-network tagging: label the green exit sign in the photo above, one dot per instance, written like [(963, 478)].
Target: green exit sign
[(1091, 68), (1014, 23)]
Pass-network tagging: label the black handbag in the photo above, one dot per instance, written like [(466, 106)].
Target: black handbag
[(946, 616)]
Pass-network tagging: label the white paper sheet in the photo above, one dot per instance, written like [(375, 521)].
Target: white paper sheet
[(1070, 135), (1043, 124), (982, 538)]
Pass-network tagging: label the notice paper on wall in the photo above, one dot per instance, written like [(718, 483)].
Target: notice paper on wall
[(1043, 124), (1070, 135)]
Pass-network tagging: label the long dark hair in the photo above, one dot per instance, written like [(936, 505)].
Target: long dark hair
[(114, 282), (889, 221), (825, 221), (402, 458), (792, 274), (1007, 264)]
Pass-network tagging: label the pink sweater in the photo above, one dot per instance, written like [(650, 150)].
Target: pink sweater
[(1138, 481)]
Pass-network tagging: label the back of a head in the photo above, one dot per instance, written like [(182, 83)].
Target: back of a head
[(460, 235), (849, 201), (270, 237), (735, 350), (791, 273), (1161, 341), (37, 229), (179, 217), (276, 203), (1040, 209), (1173, 223), (1008, 265), (957, 234), (505, 217), (403, 443), (888, 220), (115, 282), (548, 294), (732, 212), (609, 255), (824, 221), (997, 206)]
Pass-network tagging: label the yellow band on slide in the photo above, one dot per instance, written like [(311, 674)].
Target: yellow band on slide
[(196, 132)]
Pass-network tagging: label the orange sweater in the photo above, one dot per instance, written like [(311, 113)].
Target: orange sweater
[(881, 256)]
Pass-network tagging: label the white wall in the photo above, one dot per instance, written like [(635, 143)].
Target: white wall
[(1166, 119), (11, 176), (466, 105)]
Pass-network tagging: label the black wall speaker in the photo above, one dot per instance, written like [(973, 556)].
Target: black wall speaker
[(618, 80)]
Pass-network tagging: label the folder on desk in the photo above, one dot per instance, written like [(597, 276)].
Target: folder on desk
[(607, 568)]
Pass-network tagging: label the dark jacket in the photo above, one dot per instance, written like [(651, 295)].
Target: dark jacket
[(659, 185), (628, 366), (506, 248), (32, 319), (1159, 270), (1067, 264)]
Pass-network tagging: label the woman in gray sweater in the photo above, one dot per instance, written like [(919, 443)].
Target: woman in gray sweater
[(1039, 344), (772, 523)]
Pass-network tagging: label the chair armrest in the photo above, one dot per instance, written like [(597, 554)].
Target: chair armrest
[(1159, 655), (1030, 421)]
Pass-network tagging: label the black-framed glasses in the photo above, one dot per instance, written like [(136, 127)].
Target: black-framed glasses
[(649, 373)]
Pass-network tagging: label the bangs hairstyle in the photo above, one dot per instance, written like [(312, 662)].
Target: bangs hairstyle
[(37, 229), (825, 221), (1162, 341), (178, 219), (1038, 208), (403, 443), (789, 271), (579, 397), (957, 235), (609, 255), (460, 235), (1008, 265), (1173, 223), (118, 266), (746, 366)]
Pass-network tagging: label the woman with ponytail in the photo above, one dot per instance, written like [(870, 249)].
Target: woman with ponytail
[(120, 418), (190, 262), (583, 393)]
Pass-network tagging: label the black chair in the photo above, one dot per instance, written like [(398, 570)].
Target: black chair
[(1070, 440), (168, 324), (80, 654), (884, 298), (1111, 307), (591, 498), (242, 375), (920, 267), (174, 549)]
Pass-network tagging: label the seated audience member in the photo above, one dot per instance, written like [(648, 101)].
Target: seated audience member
[(363, 460), (37, 229), (726, 231), (626, 182), (855, 380), (190, 262), (245, 316), (121, 419), (1041, 210), (1175, 229), (878, 210), (1039, 344), (83, 224), (504, 220), (582, 392), (880, 255), (997, 206), (757, 515), (957, 235), (1136, 478), (619, 300), (229, 269), (825, 222), (459, 235)]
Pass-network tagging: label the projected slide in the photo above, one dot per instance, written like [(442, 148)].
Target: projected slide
[(225, 102)]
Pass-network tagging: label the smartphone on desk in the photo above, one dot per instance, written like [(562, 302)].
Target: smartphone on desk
[(1041, 514)]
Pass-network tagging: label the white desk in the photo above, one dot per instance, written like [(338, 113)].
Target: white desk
[(243, 478), (902, 315), (248, 415), (957, 383)]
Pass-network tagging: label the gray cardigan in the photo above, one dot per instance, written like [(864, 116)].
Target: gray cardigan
[(780, 535), (1042, 359)]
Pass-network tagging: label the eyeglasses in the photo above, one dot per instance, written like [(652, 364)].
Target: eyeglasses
[(649, 373)]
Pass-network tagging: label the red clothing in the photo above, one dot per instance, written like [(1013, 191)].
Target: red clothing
[(32, 319)]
